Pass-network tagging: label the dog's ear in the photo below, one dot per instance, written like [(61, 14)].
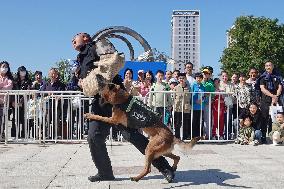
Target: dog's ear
[(111, 86)]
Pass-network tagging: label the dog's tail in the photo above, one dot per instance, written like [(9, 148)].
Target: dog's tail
[(185, 147)]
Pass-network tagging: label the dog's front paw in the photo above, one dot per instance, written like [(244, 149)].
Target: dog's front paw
[(89, 116)]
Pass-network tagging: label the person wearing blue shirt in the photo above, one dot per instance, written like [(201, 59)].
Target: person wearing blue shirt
[(198, 103)]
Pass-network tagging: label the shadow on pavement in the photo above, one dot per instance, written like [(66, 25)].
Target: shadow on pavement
[(200, 177)]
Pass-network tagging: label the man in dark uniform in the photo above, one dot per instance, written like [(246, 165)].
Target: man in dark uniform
[(98, 131), (271, 89)]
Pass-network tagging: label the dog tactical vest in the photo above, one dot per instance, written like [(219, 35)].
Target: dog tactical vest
[(139, 115)]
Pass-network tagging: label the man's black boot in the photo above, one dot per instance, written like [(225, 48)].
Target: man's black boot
[(98, 178), (169, 175)]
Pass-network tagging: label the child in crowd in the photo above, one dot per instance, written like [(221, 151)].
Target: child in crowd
[(182, 107), (198, 105), (246, 131), (277, 133), (144, 90)]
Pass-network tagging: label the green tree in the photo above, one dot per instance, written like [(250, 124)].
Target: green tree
[(253, 40), (64, 70)]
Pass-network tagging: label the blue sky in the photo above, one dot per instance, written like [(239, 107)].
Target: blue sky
[(37, 33)]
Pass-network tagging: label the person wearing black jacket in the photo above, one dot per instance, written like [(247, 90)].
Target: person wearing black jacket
[(54, 84), (271, 89), (22, 82), (257, 121), (98, 131)]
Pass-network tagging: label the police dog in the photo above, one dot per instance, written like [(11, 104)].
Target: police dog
[(161, 142)]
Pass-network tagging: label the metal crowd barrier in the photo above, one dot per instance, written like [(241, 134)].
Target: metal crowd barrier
[(230, 126), (30, 116)]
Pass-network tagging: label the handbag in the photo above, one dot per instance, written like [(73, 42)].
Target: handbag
[(228, 101), (273, 110)]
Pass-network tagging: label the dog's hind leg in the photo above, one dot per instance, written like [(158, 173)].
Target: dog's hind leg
[(147, 169), (175, 158)]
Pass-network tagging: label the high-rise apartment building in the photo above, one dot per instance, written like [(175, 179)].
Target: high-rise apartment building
[(186, 38)]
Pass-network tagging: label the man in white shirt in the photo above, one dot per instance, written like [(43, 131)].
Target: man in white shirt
[(188, 67)]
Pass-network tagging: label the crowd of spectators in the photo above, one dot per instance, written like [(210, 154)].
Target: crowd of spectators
[(221, 108), (216, 108)]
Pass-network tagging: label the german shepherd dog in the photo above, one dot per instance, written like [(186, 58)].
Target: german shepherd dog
[(161, 142)]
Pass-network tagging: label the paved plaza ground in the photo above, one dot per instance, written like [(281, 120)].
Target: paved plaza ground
[(208, 166)]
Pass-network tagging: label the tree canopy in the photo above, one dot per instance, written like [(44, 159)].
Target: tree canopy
[(254, 40), (64, 68)]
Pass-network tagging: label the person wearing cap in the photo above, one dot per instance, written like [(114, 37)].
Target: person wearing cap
[(173, 82), (182, 107), (139, 82), (209, 87), (140, 76), (211, 70), (198, 98)]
